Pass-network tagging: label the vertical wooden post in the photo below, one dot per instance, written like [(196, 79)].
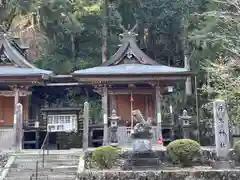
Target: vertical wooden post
[(105, 114), (15, 129), (131, 106), (158, 112), (16, 100), (112, 99), (85, 126)]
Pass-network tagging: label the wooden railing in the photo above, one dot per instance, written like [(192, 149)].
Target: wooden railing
[(31, 124)]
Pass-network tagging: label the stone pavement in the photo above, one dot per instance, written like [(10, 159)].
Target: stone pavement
[(59, 165)]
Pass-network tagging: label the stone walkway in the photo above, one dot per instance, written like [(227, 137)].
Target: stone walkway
[(59, 165)]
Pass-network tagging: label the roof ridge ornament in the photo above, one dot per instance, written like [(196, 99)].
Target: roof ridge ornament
[(128, 32), (6, 35)]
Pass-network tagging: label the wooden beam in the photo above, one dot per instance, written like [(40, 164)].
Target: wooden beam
[(12, 93), (129, 91)]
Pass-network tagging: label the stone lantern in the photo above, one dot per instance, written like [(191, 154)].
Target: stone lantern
[(186, 124), (113, 128)]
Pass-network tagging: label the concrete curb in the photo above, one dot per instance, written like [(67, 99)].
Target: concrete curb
[(7, 167)]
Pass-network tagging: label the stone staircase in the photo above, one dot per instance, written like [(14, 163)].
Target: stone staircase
[(56, 167)]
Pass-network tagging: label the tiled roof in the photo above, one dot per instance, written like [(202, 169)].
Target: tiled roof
[(129, 47), (17, 64), (17, 58), (130, 69), (11, 71)]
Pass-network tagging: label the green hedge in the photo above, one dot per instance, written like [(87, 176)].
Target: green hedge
[(184, 151)]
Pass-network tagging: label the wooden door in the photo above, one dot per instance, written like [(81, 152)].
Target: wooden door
[(1, 110), (8, 110), (123, 105), (145, 104), (139, 103)]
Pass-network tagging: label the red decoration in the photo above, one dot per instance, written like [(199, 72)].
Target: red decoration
[(160, 140)]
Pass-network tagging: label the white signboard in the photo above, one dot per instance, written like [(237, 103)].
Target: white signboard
[(221, 128), (62, 123)]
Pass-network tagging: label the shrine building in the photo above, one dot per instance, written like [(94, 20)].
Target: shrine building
[(129, 80)]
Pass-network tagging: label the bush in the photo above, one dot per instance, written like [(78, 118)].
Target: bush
[(184, 151), (236, 151), (105, 156)]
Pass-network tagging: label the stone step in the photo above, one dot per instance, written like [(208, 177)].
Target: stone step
[(144, 168), (44, 178), (56, 167), (47, 157), (47, 160), (24, 174), (46, 169)]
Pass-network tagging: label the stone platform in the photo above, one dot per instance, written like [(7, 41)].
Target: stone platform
[(142, 160)]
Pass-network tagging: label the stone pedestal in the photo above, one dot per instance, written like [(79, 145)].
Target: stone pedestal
[(142, 161), (141, 145), (142, 156)]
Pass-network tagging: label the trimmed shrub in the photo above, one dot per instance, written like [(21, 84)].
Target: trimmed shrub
[(236, 151), (105, 156), (184, 151)]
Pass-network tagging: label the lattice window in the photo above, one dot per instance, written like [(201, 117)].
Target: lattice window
[(57, 123), (60, 119)]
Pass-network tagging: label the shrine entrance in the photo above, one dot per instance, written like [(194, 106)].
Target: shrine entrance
[(125, 104)]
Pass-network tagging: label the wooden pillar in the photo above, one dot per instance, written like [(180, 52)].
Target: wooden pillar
[(146, 105), (105, 114), (158, 112), (16, 101), (113, 105), (19, 128)]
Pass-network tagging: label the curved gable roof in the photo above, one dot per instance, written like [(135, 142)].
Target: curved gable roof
[(129, 47), (14, 62), (128, 51)]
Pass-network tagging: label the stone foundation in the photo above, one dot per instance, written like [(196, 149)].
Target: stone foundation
[(206, 159), (163, 175)]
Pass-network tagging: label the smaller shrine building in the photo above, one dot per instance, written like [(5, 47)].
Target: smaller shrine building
[(131, 80)]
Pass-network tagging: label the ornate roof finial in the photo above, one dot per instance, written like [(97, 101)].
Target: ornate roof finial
[(128, 32)]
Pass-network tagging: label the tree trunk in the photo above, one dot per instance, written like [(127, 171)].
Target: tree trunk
[(105, 32), (188, 83), (73, 52)]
